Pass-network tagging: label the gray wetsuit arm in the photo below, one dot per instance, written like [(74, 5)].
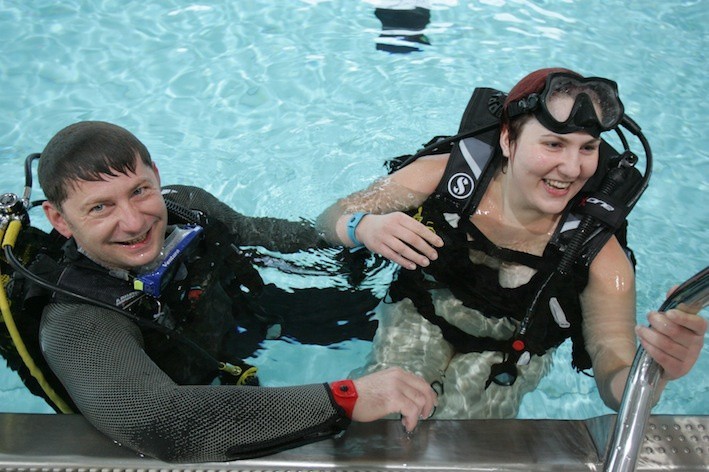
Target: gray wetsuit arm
[(98, 355), (272, 233)]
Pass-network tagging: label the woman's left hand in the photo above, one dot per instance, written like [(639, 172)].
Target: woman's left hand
[(674, 339)]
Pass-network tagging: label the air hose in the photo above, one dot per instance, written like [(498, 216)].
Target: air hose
[(8, 241)]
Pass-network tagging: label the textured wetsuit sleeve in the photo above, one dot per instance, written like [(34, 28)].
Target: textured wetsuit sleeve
[(272, 233), (98, 356)]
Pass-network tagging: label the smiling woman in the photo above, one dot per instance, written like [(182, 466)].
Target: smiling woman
[(493, 280)]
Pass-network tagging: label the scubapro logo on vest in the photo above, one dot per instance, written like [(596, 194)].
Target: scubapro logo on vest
[(460, 185)]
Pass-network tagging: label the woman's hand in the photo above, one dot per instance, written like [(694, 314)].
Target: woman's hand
[(675, 339), (399, 238)]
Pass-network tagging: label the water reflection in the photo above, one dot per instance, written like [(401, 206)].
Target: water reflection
[(402, 29)]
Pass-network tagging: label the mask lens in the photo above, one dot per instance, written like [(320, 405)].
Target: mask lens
[(567, 95)]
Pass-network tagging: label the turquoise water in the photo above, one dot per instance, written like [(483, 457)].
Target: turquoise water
[(279, 108)]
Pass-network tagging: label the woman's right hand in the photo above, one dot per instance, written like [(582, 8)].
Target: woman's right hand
[(399, 238)]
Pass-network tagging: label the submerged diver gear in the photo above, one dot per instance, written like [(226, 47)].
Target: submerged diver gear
[(195, 309), (570, 103), (345, 395), (153, 278), (94, 285), (352, 226)]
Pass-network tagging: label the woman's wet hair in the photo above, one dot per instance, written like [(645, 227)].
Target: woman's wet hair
[(88, 151), (533, 82)]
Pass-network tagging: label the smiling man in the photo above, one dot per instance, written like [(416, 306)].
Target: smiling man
[(119, 221), (158, 373)]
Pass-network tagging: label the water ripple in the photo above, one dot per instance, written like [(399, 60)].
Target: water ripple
[(279, 111)]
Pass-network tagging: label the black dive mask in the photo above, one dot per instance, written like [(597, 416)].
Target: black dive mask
[(570, 103)]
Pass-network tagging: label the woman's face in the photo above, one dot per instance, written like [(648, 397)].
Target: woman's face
[(547, 169)]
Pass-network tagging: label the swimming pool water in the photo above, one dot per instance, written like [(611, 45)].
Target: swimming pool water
[(279, 108)]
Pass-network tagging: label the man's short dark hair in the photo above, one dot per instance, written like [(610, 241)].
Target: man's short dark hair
[(84, 151)]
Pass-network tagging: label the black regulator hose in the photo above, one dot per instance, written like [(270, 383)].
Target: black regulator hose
[(614, 179)]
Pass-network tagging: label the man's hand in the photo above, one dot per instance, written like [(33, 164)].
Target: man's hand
[(393, 391)]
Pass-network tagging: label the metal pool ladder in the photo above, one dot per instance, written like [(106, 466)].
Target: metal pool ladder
[(635, 407)]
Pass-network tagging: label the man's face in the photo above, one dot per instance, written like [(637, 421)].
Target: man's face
[(119, 221)]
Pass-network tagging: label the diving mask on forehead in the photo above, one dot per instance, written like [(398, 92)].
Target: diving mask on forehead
[(570, 103)]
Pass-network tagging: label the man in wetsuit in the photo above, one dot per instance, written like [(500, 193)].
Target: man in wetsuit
[(136, 384)]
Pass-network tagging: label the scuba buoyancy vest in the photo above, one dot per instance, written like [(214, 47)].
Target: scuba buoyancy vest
[(195, 319), (217, 289), (546, 308)]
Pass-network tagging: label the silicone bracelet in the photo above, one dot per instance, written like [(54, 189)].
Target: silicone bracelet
[(352, 226)]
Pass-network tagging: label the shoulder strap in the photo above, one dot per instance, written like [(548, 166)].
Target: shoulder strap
[(471, 166)]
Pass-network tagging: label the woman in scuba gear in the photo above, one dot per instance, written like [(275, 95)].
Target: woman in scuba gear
[(482, 303), (135, 384)]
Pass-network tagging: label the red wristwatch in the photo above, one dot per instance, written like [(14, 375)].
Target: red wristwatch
[(345, 395)]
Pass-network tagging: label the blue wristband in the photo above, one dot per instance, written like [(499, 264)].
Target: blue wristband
[(352, 225)]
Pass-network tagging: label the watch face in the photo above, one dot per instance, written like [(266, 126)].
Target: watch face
[(344, 390)]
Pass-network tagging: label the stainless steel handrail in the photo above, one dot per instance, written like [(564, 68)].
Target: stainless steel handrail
[(627, 437)]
